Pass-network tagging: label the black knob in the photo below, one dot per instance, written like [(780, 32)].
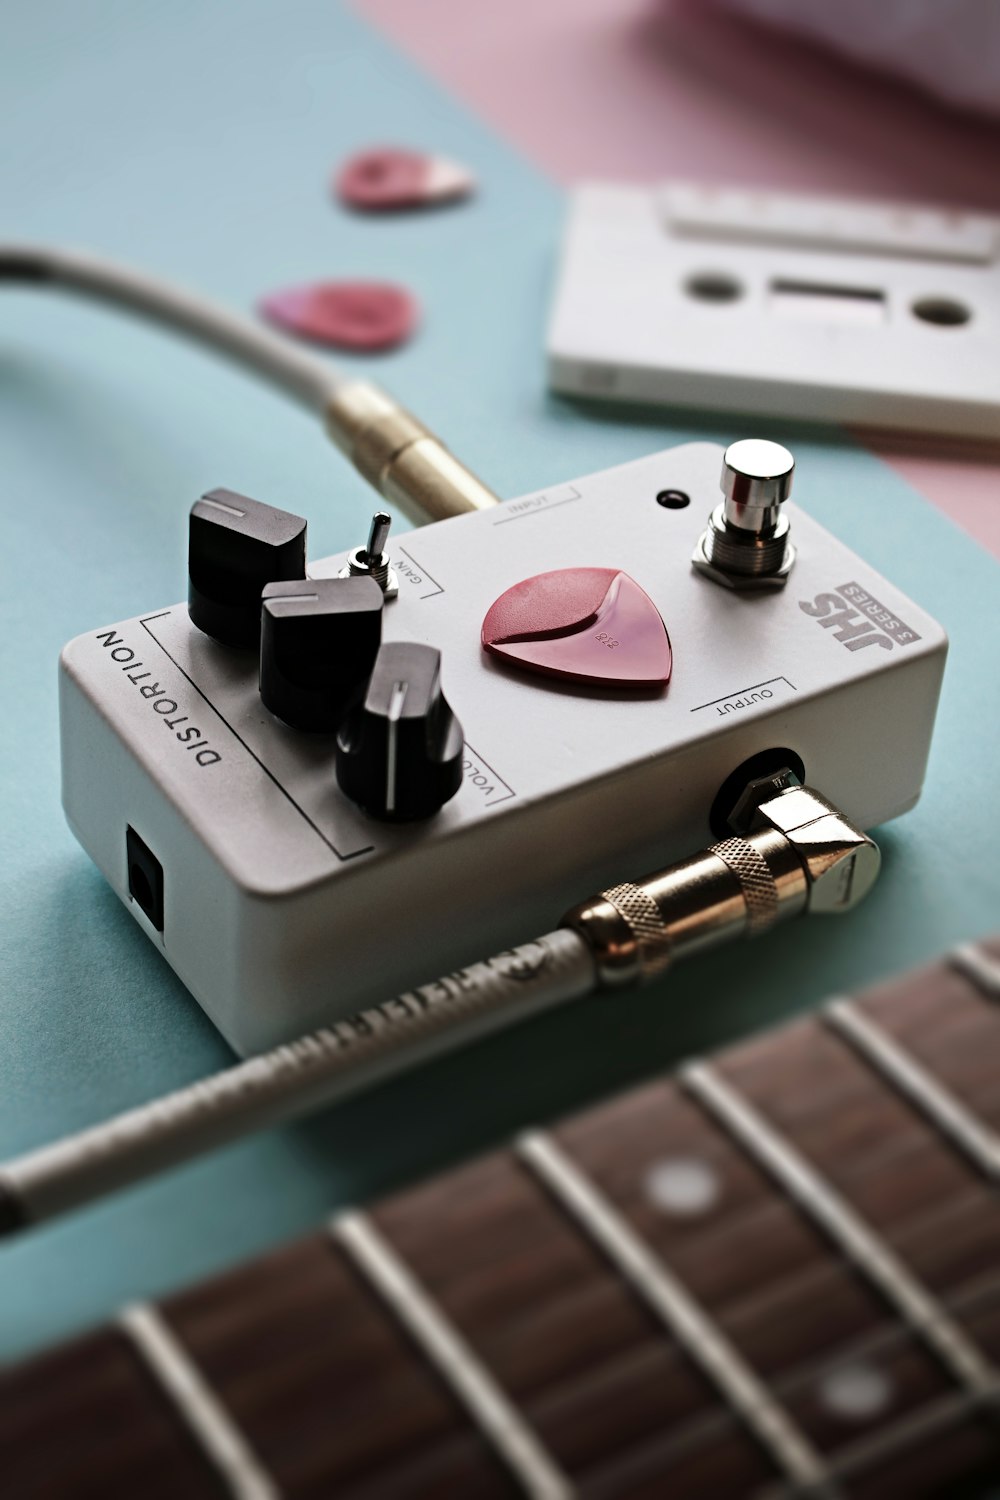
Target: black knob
[(399, 750), (235, 547), (319, 638)]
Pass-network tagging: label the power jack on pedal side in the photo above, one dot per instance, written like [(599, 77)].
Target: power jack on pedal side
[(145, 878)]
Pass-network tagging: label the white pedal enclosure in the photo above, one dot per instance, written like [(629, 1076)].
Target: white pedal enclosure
[(285, 907), (777, 304)]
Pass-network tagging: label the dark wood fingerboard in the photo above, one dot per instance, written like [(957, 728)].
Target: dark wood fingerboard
[(320, 1372)]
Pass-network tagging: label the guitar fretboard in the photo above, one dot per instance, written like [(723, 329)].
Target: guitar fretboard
[(777, 1272)]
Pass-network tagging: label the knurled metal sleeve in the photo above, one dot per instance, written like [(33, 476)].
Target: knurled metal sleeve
[(644, 921), (756, 882)]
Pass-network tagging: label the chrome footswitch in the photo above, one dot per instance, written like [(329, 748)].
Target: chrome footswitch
[(746, 542)]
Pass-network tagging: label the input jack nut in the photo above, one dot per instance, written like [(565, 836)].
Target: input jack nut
[(746, 543)]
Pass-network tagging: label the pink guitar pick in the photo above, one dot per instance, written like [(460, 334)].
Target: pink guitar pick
[(584, 624), (389, 178), (366, 315)]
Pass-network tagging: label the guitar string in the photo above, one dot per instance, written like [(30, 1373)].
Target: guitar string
[(946, 1338), (192, 1398), (976, 964), (845, 1460), (882, 1442), (675, 1307), (919, 1226), (890, 1339), (861, 1244), (850, 1461), (898, 1067), (500, 1422), (816, 1280), (888, 1438), (862, 1451), (135, 1318), (840, 1358)]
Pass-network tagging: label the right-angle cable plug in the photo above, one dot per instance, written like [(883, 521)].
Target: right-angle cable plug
[(791, 851)]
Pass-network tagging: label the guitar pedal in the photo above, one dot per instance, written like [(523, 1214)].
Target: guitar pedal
[(555, 695)]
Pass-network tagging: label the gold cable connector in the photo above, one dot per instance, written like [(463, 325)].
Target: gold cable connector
[(791, 851), (399, 456), (395, 453)]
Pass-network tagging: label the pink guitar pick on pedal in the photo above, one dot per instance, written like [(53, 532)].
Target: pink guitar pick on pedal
[(583, 624), (363, 315), (389, 177)]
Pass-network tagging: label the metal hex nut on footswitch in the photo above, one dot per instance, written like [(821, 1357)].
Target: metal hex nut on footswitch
[(701, 562)]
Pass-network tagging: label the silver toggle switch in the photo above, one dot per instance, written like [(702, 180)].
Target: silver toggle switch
[(372, 560), (746, 542)]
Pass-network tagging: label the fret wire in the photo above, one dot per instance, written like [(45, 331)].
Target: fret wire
[(848, 1458), (504, 1428), (899, 1067), (977, 965), (223, 1446), (697, 1333), (201, 1411), (855, 1457), (856, 1239)]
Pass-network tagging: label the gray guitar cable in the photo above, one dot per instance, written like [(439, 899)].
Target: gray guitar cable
[(393, 450), (305, 377), (795, 852)]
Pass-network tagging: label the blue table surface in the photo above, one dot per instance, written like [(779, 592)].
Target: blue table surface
[(197, 139)]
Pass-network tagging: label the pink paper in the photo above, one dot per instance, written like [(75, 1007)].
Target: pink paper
[(645, 89)]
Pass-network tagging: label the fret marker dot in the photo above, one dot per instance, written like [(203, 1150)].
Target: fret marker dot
[(857, 1392), (683, 1185)]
